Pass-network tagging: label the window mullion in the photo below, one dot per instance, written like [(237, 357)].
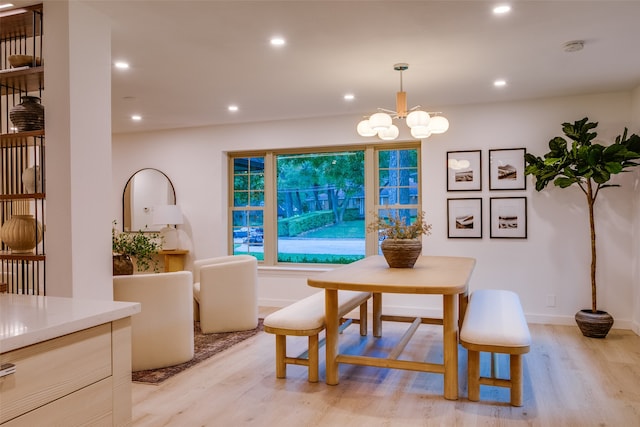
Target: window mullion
[(270, 244), (371, 189)]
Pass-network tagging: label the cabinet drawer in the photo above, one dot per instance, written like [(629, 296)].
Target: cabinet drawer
[(90, 406), (53, 369)]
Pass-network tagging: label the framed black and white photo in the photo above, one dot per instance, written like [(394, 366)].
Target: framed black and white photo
[(464, 217), (464, 170), (506, 169), (508, 217)]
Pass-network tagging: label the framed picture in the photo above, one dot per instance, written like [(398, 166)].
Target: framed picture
[(506, 169), (464, 217), (508, 217), (464, 171)]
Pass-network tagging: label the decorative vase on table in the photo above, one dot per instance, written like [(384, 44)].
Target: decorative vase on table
[(28, 115), (21, 233), (401, 253), (122, 265)]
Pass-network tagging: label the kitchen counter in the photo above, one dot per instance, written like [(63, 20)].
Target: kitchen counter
[(66, 361), (28, 319)]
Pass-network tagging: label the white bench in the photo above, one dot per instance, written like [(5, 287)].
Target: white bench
[(306, 318), (494, 322)]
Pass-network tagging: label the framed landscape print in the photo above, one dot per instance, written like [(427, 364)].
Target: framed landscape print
[(464, 218), (506, 169), (464, 171), (508, 217)]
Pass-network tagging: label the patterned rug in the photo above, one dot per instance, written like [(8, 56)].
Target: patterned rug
[(205, 346)]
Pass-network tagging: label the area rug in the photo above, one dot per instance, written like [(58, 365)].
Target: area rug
[(205, 346)]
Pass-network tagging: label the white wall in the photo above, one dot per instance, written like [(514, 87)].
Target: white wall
[(635, 120), (554, 260)]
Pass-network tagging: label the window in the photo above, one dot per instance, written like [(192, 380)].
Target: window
[(312, 207), (248, 205)]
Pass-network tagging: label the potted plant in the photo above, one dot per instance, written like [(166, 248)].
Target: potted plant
[(401, 246), (141, 246), (589, 166)]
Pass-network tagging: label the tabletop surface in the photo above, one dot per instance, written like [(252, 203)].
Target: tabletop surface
[(443, 275)]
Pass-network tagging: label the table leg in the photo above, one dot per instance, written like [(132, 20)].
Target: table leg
[(331, 337), (377, 315), (450, 338)]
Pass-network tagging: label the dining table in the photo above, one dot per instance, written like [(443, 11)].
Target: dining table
[(431, 275)]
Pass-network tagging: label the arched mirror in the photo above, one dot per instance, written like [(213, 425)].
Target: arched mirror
[(144, 190)]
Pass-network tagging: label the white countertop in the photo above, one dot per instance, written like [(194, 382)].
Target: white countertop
[(28, 319)]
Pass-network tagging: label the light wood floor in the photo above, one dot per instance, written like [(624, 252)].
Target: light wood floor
[(569, 380)]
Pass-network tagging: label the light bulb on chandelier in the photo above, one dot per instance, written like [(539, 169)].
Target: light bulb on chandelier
[(421, 123)]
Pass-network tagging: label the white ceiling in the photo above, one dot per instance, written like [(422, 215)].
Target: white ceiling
[(191, 59)]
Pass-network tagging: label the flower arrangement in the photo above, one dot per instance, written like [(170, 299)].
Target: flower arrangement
[(396, 227), (141, 246)]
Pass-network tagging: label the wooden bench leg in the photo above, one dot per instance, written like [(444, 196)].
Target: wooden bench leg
[(313, 358), (515, 371), (281, 354), (473, 379), (364, 316)]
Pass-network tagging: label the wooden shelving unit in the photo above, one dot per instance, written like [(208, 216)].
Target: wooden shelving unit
[(21, 33)]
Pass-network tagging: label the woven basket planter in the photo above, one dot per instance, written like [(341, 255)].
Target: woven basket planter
[(401, 253)]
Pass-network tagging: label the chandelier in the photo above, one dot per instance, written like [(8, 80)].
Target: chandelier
[(423, 124)]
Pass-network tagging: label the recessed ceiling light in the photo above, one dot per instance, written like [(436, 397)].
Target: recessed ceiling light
[(136, 117), (278, 41), (349, 97), (121, 65), (232, 108), (502, 9), (500, 83), (5, 5)]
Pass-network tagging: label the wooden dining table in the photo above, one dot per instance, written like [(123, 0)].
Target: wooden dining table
[(432, 275)]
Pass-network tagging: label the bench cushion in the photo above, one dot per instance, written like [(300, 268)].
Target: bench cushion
[(494, 318), (308, 313)]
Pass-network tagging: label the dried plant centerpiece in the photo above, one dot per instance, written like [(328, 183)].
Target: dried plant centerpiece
[(401, 246)]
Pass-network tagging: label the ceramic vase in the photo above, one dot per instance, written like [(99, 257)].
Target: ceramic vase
[(122, 265), (28, 115), (21, 233), (594, 325), (32, 180)]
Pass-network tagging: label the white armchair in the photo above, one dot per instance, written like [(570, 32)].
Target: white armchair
[(225, 290), (162, 333)]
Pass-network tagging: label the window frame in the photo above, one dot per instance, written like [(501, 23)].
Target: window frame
[(270, 216)]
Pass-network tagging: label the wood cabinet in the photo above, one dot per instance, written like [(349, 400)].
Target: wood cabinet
[(174, 259), (73, 378), (22, 153)]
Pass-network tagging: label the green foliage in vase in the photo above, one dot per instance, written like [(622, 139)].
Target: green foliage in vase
[(141, 246), (396, 227), (590, 166)]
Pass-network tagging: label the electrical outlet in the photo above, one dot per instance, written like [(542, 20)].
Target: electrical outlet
[(551, 300)]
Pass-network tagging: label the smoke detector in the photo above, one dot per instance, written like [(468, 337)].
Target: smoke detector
[(574, 46)]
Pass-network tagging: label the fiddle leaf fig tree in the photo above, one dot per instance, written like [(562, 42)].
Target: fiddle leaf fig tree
[(588, 165)]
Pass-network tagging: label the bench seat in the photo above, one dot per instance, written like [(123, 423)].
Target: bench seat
[(494, 322), (307, 318)]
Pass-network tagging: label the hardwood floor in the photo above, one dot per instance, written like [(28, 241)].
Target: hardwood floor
[(569, 380)]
